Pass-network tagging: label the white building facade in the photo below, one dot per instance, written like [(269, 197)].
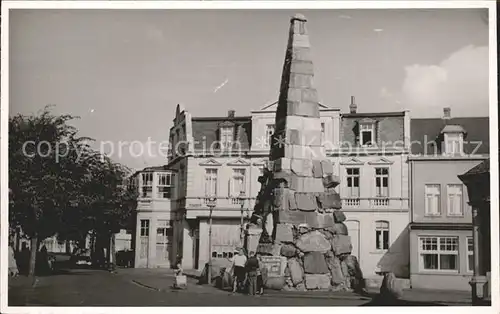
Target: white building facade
[(154, 227), (223, 157)]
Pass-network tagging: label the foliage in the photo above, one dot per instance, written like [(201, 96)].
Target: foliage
[(60, 185)]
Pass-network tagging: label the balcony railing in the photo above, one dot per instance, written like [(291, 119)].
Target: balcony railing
[(220, 202), (366, 203), (380, 202), (351, 202), (235, 203)]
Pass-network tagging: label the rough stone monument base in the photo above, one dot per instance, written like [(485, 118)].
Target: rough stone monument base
[(297, 219)]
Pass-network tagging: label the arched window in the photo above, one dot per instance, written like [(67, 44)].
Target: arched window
[(382, 235)]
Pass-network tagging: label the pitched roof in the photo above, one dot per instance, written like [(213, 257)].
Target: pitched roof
[(372, 114), (205, 130), (151, 169), (482, 168), (451, 128), (425, 131)]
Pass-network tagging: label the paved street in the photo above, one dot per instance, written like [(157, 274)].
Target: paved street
[(100, 288), (136, 287)]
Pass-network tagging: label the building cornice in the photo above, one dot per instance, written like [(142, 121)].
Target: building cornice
[(447, 158), (439, 226)]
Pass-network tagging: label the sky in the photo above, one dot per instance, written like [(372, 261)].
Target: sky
[(124, 71)]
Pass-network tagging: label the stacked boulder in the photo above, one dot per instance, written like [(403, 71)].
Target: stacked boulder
[(297, 216), (314, 245)]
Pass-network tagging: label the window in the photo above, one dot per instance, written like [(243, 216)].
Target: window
[(353, 182), (453, 144), (439, 253), (147, 184), (322, 132), (269, 134), (237, 184), (382, 235), (432, 199), (226, 136), (164, 185), (455, 200), (163, 232), (367, 135), (210, 182), (382, 182), (144, 239), (470, 254), (144, 227)]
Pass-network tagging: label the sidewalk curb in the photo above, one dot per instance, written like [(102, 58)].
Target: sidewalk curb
[(312, 296), (144, 285)]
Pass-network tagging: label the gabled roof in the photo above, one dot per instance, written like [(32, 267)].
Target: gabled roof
[(424, 131), (268, 107)]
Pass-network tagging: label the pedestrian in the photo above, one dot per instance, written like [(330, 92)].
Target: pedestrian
[(43, 259), (252, 266), (13, 270), (260, 278), (238, 266)]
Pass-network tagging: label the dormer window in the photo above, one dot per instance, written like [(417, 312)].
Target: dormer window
[(367, 133), (269, 134), (452, 137), (453, 144), (226, 136)]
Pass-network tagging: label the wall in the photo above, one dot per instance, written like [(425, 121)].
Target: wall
[(151, 261), (224, 166), (396, 259), (424, 172), (436, 279), (398, 174)]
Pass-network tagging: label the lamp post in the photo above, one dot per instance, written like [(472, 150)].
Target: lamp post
[(211, 204), (241, 199)]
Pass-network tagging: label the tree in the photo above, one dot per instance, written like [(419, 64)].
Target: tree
[(44, 169), (103, 206), (62, 186)]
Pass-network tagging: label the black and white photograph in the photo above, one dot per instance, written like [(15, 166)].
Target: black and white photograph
[(249, 153)]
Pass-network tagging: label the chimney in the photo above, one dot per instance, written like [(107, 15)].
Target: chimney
[(353, 107), (447, 113), (230, 113)]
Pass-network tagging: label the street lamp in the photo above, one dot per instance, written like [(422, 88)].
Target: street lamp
[(241, 199), (211, 204)]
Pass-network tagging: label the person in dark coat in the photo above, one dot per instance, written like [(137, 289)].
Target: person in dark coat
[(252, 266)]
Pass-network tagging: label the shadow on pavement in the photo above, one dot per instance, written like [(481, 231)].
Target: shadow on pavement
[(378, 301)]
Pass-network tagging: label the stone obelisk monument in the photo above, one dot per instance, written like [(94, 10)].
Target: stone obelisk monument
[(297, 225)]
